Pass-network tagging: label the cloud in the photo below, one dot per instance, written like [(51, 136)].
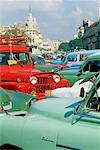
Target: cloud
[(76, 13), (47, 5), (56, 18), (41, 5)]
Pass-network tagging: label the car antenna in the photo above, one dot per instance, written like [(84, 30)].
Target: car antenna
[(11, 49)]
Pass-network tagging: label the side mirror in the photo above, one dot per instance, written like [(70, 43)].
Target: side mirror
[(82, 92)]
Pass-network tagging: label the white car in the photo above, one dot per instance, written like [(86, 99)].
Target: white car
[(73, 91)]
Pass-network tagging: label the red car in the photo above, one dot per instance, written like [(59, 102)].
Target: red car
[(17, 73)]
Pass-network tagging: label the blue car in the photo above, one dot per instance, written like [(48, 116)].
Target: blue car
[(76, 58)]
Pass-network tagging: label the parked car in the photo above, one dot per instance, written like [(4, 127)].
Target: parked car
[(71, 124), (18, 73), (41, 64), (73, 67), (75, 58), (38, 60), (57, 61), (90, 66)]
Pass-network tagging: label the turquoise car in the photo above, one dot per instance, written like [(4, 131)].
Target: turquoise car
[(75, 58), (55, 124), (90, 66), (40, 64)]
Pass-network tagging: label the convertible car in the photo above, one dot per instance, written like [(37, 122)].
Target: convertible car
[(54, 123)]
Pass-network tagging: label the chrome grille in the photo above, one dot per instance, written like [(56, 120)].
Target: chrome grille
[(43, 80)]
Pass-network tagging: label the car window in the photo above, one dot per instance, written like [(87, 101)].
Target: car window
[(83, 57), (5, 56), (72, 57), (93, 66), (94, 102)]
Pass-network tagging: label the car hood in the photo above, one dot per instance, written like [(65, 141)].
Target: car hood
[(47, 67), (68, 72), (24, 75), (52, 107)]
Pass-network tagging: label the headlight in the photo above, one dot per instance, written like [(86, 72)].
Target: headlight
[(33, 80), (56, 78)]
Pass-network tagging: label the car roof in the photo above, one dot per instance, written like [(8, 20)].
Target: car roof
[(93, 57), (86, 52), (96, 55), (13, 48)]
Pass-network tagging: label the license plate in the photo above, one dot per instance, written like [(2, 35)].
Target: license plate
[(47, 93), (33, 93)]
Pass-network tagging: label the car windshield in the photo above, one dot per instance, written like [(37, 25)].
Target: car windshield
[(94, 102), (38, 60), (70, 57), (7, 58)]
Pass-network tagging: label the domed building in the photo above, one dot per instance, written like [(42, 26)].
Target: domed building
[(35, 38)]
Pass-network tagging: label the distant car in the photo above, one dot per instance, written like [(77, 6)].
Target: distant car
[(90, 66), (54, 123), (74, 58), (57, 61), (41, 64), (73, 67), (38, 60)]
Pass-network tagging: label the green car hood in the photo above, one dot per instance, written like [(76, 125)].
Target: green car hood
[(68, 72), (4, 97), (55, 107), (47, 67)]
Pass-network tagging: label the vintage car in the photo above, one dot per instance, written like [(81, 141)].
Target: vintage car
[(75, 58), (90, 66), (73, 68), (55, 123), (41, 64), (17, 73)]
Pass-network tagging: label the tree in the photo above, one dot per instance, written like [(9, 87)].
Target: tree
[(71, 45), (76, 43), (63, 46)]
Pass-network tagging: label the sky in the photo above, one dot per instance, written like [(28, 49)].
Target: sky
[(57, 19)]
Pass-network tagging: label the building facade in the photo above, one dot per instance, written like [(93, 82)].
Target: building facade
[(32, 31), (91, 38)]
